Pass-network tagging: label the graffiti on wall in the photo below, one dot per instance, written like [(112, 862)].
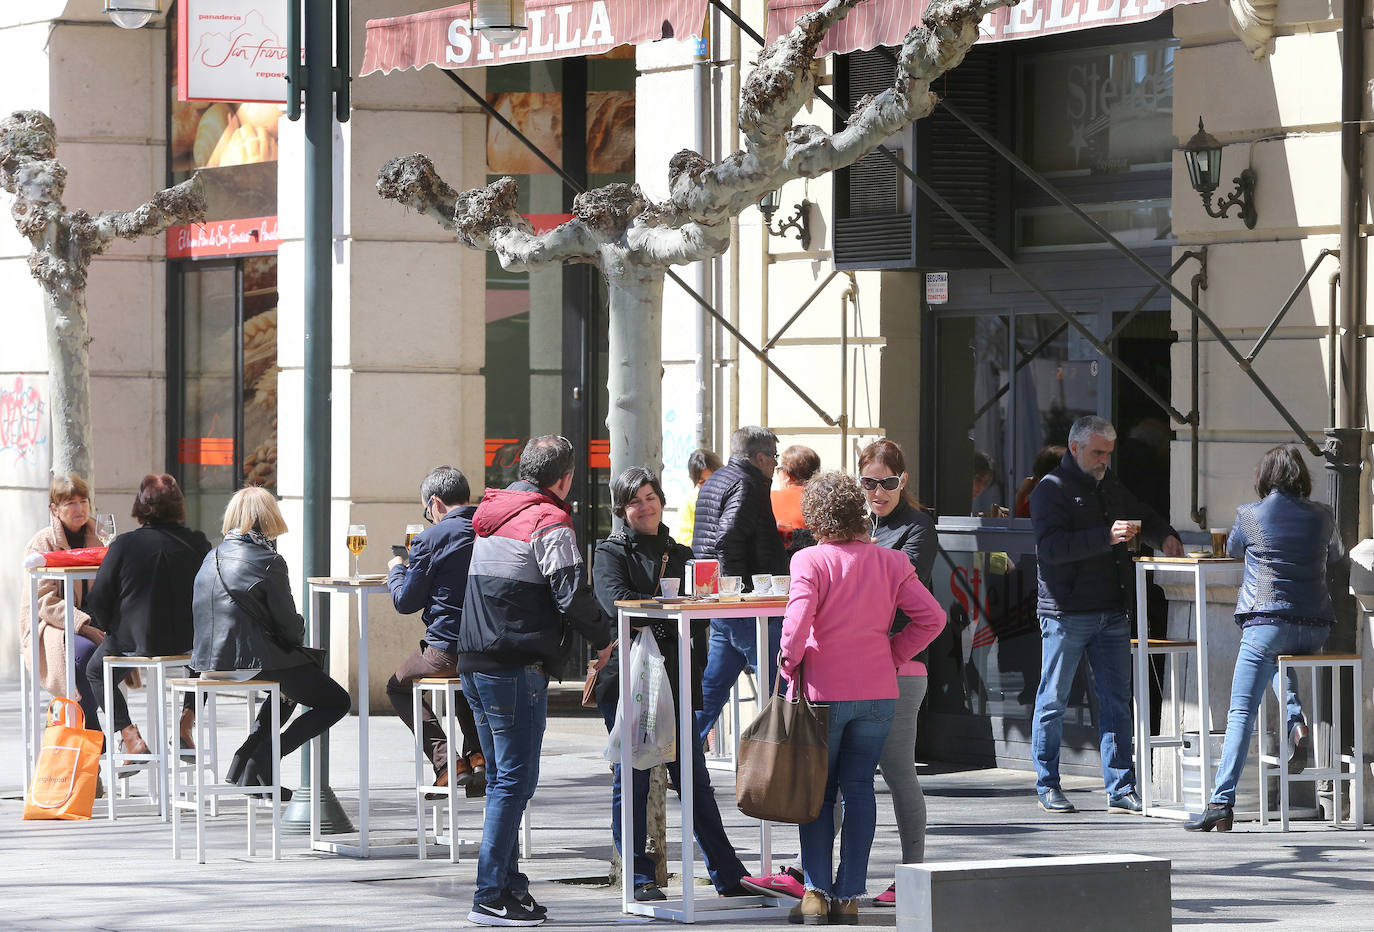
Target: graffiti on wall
[(23, 424)]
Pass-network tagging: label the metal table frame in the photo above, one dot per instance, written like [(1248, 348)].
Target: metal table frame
[(1198, 567), (34, 712), (319, 587), (682, 613)]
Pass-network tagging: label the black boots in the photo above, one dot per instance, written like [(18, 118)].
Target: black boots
[(1218, 816)]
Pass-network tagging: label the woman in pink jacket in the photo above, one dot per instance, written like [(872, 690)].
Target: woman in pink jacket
[(836, 641)]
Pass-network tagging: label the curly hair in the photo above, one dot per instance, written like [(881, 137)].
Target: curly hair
[(834, 507)]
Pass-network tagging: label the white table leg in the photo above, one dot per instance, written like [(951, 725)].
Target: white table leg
[(36, 710), (363, 709), (762, 645), (627, 715), (316, 597), (686, 763), (69, 626), (1203, 690), (1145, 764)]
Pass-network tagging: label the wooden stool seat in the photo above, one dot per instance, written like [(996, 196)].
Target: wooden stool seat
[(1153, 644), (174, 659), (438, 681)]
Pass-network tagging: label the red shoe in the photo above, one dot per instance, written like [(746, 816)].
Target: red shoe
[(887, 898), (787, 882)]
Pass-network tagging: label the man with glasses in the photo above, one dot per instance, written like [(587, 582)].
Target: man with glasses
[(735, 525), (434, 582)]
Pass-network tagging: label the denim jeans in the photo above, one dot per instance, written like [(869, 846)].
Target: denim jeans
[(510, 708), (1105, 637), (722, 863), (858, 731), (1257, 666), (732, 648)]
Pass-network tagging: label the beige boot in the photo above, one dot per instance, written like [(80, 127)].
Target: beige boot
[(811, 911), (844, 912)]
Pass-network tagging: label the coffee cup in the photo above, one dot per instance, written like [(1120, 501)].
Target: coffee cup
[(782, 585), (1219, 541), (763, 584), (667, 587)]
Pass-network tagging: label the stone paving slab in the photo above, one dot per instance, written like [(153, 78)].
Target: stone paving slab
[(103, 875)]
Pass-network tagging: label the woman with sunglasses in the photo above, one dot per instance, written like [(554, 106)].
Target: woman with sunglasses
[(897, 522)]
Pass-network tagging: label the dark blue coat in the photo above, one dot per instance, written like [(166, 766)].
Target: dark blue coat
[(1287, 543), (1079, 569), (436, 579), (735, 524)]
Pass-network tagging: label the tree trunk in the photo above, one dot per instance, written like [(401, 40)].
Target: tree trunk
[(634, 377), (69, 384)]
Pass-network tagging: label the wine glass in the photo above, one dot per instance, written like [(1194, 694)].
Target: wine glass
[(357, 543), (105, 528), (411, 531)]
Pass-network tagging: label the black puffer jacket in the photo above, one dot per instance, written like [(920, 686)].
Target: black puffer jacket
[(735, 523), (244, 614), (1080, 570), (626, 566)]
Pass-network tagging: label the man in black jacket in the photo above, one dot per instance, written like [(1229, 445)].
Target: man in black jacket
[(735, 525), (1083, 518), (433, 582)]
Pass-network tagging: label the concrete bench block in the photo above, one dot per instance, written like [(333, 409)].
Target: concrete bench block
[(1128, 892)]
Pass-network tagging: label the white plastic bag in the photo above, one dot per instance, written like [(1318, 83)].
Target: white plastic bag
[(655, 739)]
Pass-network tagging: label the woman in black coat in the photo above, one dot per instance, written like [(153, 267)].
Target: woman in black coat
[(246, 622), (141, 598), (629, 565)]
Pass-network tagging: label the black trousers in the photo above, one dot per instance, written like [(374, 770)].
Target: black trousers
[(307, 685), (95, 675)]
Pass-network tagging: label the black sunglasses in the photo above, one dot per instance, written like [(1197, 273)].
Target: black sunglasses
[(890, 483)]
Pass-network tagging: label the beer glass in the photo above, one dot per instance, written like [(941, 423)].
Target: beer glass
[(1219, 541), (411, 531), (357, 543), (1133, 545)]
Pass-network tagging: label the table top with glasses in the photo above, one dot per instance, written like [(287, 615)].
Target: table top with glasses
[(374, 580), (745, 605)]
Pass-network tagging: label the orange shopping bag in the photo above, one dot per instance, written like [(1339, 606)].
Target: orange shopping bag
[(64, 781)]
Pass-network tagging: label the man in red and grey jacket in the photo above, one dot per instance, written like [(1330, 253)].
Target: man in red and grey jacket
[(527, 585)]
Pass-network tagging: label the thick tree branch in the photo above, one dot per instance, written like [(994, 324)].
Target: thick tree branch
[(412, 181), (183, 203)]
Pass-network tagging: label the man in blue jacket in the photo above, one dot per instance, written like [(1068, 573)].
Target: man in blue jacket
[(434, 583), (1082, 516)]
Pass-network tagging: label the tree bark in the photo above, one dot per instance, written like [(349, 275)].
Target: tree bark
[(634, 369), (69, 384)]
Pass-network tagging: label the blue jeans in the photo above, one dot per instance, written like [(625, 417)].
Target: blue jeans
[(858, 731), (1105, 637), (722, 863), (1257, 665), (732, 648), (510, 708)]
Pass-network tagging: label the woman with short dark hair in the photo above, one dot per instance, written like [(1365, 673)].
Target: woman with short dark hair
[(629, 565), (142, 599), (1283, 607)]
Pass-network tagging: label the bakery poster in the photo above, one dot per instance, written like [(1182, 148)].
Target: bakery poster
[(232, 50), (539, 115)]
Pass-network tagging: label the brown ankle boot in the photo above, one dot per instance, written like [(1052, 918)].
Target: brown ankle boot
[(131, 741), (188, 728)]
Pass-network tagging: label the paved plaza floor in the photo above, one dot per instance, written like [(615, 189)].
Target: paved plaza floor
[(120, 875)]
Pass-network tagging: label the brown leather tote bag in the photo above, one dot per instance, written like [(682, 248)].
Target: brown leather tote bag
[(784, 757)]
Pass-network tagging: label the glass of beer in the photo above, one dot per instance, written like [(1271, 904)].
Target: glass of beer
[(411, 531), (1133, 545), (357, 543), (1218, 541)]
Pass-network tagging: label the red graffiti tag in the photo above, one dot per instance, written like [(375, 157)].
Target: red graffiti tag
[(22, 420)]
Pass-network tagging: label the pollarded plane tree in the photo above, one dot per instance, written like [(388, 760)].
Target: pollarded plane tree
[(633, 241), (63, 244)]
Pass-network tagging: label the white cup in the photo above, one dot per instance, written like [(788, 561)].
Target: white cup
[(668, 587), (782, 585), (763, 584), (729, 585)]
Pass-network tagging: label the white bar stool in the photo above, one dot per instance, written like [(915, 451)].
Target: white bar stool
[(1329, 762), (1170, 650), (433, 796), (157, 759), (26, 718), (205, 690)]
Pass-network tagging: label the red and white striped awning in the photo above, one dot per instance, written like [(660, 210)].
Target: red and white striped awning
[(886, 22), (555, 29)]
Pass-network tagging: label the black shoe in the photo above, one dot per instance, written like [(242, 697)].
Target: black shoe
[(1218, 816), (504, 911), (1299, 740), (1126, 802), (252, 775), (1054, 800), (237, 765), (528, 902), (648, 893), (476, 787)]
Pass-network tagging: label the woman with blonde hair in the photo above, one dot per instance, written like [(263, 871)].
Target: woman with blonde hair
[(838, 645), (70, 527), (246, 624)]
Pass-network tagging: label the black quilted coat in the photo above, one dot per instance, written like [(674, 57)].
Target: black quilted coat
[(735, 523)]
